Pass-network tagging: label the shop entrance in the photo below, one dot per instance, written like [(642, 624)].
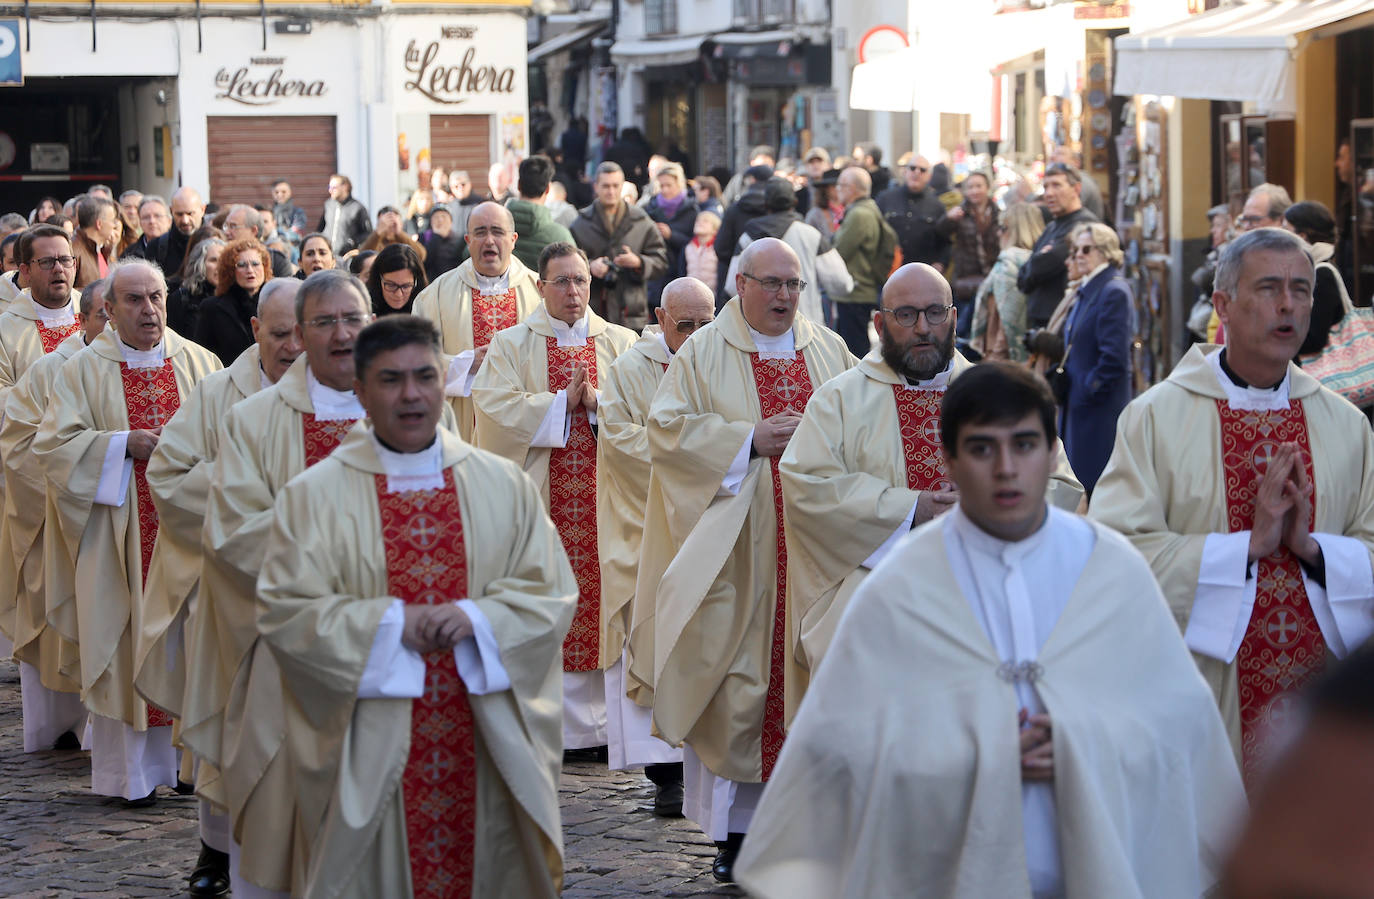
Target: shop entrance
[(58, 137)]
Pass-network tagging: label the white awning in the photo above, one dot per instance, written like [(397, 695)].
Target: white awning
[(670, 52), (1243, 52), (565, 40)]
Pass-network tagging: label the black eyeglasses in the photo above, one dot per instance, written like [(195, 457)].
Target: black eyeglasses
[(917, 168), (687, 325), (907, 316), (1083, 251), (774, 285)]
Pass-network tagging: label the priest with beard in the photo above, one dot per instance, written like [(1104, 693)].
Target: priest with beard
[(1007, 708), (865, 465)]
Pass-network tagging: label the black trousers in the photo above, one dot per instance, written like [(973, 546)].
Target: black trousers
[(851, 323)]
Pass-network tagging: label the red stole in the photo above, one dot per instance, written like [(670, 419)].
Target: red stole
[(918, 420), (321, 437), (426, 563), (492, 312), (151, 399), (572, 506), (783, 385), (51, 337), (1283, 648)]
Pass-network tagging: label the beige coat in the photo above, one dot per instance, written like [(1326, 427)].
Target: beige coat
[(322, 592), (96, 571), (705, 597)]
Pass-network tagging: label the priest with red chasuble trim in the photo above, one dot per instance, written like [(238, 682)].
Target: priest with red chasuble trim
[(536, 398), (415, 597), (714, 552), (866, 465), (107, 410), (1249, 488)]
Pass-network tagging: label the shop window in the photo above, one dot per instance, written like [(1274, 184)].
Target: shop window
[(1254, 149)]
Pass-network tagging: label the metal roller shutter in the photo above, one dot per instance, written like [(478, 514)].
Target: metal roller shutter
[(248, 153), (462, 142)]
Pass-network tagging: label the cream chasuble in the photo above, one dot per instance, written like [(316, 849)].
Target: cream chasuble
[(21, 538), (232, 713), (1166, 488), (179, 480), (923, 797), (468, 313), (324, 592), (98, 502), (705, 652), (851, 477)]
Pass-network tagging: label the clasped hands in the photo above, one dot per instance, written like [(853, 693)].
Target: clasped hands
[(1282, 508), (435, 628), (580, 389), (773, 433), (1037, 746)]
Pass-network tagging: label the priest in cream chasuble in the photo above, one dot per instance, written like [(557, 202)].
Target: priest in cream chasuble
[(415, 596), (709, 655), (536, 399), (490, 291), (866, 467), (107, 409), (1250, 489)]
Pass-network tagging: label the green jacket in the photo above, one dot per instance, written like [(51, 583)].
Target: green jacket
[(537, 230), (857, 243)]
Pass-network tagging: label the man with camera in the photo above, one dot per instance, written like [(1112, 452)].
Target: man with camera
[(625, 249)]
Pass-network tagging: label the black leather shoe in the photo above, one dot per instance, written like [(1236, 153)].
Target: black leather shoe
[(146, 802), (590, 755), (183, 788), (723, 868), (668, 800), (67, 742), (211, 876)]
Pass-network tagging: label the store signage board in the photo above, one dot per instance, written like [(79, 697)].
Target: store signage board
[(11, 60), (264, 82), (447, 69)]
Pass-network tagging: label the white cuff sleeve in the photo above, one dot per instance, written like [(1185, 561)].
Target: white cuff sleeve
[(902, 530), (734, 477), (556, 426), (591, 415), (460, 376), (1344, 609), (115, 471), (478, 657), (1225, 597), (394, 671)]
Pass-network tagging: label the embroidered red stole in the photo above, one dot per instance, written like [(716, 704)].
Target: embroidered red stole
[(151, 399), (321, 437), (783, 385), (572, 506), (918, 420), (426, 563), (1283, 648), (51, 337), (492, 312)]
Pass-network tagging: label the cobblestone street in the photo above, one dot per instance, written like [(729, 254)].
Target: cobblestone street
[(57, 839)]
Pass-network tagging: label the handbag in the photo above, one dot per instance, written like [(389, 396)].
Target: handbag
[(1060, 381), (1346, 364)]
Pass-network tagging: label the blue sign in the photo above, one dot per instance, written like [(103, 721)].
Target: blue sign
[(11, 61)]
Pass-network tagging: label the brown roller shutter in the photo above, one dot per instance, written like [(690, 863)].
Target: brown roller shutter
[(462, 142), (248, 153)]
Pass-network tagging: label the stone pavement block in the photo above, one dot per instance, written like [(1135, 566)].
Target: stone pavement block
[(59, 841)]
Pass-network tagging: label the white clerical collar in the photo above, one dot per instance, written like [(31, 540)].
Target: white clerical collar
[(411, 471), (264, 381), (783, 346), (143, 358), (663, 342), (570, 335), (939, 382), (978, 540), (498, 284), (1249, 399), (52, 318), (331, 404)]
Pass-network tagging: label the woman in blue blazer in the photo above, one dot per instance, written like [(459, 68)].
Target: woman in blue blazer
[(1097, 336)]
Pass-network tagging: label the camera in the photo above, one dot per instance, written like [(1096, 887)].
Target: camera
[(612, 274), (1045, 343)]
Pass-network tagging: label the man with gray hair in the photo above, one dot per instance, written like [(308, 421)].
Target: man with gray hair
[(169, 640), (1264, 208), (154, 218), (1249, 488), (265, 441), (107, 410), (243, 223)]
